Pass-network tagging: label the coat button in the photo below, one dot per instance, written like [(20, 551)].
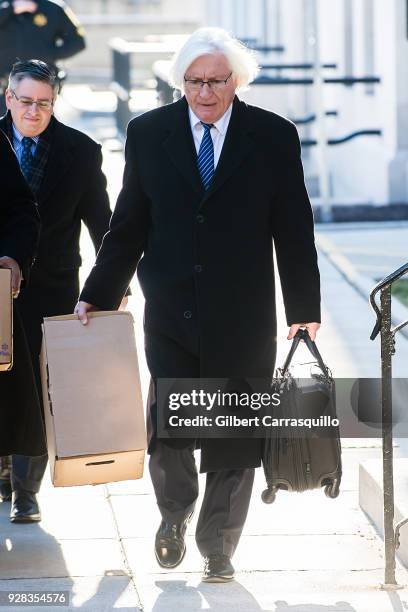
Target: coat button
[(198, 268), (200, 218), (188, 314)]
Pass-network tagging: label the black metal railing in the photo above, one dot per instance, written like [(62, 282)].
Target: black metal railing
[(383, 326)]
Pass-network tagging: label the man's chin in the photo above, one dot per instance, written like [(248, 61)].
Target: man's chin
[(208, 116), (30, 130)]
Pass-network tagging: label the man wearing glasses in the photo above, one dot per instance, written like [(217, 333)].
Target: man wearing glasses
[(63, 169), (209, 185)]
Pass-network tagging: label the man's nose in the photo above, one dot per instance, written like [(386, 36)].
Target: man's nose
[(33, 108), (205, 91)]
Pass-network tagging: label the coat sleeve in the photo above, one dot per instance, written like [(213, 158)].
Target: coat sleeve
[(69, 33), (294, 238), (123, 245), (94, 205), (19, 220)]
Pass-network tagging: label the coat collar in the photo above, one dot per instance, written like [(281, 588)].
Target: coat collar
[(180, 147), (60, 156), (60, 159)]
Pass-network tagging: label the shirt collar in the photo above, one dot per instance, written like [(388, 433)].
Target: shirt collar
[(19, 136), (221, 124)]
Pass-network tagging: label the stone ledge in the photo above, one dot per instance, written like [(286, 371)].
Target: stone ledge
[(363, 212), (371, 497)]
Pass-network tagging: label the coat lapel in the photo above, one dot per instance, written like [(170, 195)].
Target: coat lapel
[(59, 161), (179, 145), (237, 146)]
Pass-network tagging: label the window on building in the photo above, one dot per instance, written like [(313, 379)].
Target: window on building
[(369, 62), (348, 38)]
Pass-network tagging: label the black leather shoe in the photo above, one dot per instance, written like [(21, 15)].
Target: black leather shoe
[(218, 568), (5, 490), (170, 546), (24, 508)]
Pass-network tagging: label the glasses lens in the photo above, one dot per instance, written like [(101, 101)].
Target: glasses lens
[(194, 85), (42, 104), (215, 85)]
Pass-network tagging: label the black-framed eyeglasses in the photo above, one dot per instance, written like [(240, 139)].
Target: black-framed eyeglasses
[(27, 102), (213, 84)]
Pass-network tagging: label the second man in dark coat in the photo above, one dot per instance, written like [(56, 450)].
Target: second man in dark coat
[(21, 429), (63, 168)]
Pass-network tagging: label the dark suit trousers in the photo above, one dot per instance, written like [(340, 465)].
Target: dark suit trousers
[(225, 504), (173, 469), (27, 472)]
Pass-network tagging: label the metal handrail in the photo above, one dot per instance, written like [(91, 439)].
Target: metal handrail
[(384, 283), (310, 142), (267, 48), (383, 326), (312, 117), (264, 79), (298, 66)]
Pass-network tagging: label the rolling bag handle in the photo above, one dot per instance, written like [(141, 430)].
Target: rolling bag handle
[(303, 334)]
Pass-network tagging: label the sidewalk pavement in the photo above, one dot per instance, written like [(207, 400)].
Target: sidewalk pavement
[(303, 553)]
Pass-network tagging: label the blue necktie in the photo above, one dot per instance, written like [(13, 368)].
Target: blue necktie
[(26, 156), (205, 157)]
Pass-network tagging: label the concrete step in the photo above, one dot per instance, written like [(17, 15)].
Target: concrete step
[(371, 497)]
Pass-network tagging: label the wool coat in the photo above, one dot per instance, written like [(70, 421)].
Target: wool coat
[(73, 190), (205, 259), (21, 429)]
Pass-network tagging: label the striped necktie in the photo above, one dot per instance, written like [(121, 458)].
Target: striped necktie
[(26, 156), (205, 159)]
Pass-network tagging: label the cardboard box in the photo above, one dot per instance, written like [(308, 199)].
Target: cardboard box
[(93, 405), (6, 321)]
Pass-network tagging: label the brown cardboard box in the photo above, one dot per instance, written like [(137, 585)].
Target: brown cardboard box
[(92, 399), (6, 321)]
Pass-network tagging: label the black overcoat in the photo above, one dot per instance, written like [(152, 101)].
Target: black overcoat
[(205, 259), (73, 190), (21, 429), (50, 33)]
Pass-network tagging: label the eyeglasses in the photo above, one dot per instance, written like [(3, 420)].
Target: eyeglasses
[(213, 84), (27, 102)]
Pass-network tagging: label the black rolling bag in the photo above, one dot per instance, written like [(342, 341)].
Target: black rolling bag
[(296, 459)]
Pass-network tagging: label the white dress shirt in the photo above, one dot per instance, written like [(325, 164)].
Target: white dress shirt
[(217, 132)]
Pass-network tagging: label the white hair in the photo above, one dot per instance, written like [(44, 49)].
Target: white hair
[(206, 41)]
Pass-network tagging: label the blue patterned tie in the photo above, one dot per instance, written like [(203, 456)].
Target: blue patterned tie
[(26, 156), (205, 157)]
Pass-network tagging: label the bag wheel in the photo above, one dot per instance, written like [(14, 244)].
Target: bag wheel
[(268, 496), (331, 490)]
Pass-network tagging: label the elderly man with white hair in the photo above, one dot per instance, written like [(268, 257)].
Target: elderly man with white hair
[(210, 184)]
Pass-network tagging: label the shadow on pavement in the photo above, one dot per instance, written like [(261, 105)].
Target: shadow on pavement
[(339, 606), (227, 598)]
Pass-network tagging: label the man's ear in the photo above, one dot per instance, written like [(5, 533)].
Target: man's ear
[(8, 96)]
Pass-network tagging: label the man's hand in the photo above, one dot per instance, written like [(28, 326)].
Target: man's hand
[(311, 328), (82, 308), (24, 6), (11, 264)]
